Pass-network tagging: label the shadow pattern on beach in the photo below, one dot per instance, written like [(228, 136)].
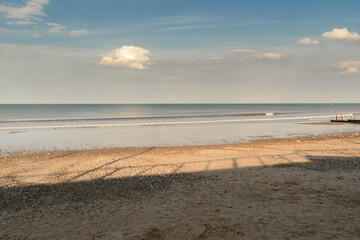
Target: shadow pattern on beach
[(110, 163), (328, 163), (19, 197), (252, 203), (295, 159)]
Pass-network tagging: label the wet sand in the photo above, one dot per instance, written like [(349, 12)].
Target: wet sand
[(274, 189)]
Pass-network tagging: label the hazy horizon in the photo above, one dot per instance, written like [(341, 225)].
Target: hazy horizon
[(179, 103)]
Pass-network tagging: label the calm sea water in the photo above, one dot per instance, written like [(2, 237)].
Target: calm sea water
[(58, 127)]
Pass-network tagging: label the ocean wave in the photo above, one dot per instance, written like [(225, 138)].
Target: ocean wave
[(166, 123), (143, 118)]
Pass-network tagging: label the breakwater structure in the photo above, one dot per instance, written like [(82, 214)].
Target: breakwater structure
[(341, 119)]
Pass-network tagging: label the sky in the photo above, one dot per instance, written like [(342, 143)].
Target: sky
[(157, 51)]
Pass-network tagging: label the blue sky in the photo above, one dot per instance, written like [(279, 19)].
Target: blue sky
[(280, 42), (185, 24)]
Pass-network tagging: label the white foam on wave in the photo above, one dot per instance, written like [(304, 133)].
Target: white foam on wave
[(165, 123)]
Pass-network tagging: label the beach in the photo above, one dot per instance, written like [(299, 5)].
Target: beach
[(292, 188), (184, 120)]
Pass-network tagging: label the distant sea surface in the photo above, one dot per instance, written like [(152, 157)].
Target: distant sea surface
[(83, 126)]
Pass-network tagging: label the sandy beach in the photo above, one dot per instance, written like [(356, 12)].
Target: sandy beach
[(303, 188), (184, 120)]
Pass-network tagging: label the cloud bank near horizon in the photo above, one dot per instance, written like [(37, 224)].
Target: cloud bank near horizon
[(350, 67), (240, 73)]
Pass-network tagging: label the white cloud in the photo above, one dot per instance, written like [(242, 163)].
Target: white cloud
[(350, 67), (232, 53), (342, 34), (308, 41), (58, 28), (36, 35), (247, 53), (20, 22), (242, 51), (271, 55), (32, 9), (55, 27), (127, 56), (78, 33), (3, 30), (214, 58)]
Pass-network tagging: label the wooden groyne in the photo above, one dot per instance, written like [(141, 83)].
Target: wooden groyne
[(347, 121)]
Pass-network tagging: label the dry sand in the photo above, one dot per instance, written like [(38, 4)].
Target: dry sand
[(279, 189)]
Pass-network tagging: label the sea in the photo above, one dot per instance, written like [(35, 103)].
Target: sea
[(58, 127)]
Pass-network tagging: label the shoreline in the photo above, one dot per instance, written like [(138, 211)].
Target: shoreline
[(267, 139), (296, 188)]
